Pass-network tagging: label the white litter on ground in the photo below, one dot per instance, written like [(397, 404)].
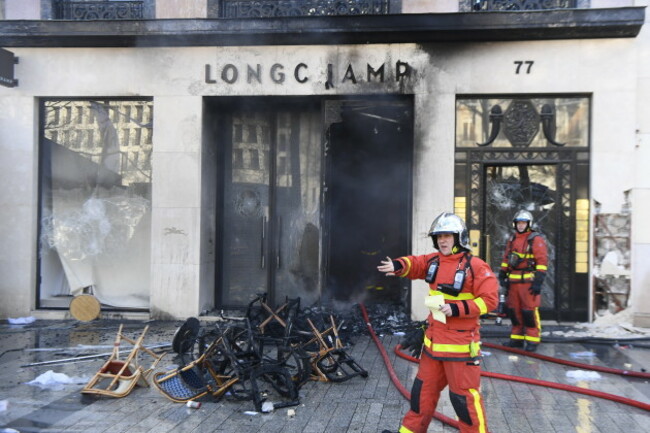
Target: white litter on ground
[(583, 375), (21, 320), (587, 354), (56, 381)]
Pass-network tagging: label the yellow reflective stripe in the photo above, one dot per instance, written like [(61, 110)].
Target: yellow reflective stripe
[(541, 267), (535, 339), (516, 337), (460, 297), (403, 429), (452, 348), (504, 264), (478, 408), (520, 277), (408, 266), (480, 303)]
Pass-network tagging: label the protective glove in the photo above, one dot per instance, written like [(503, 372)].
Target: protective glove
[(538, 281), (414, 340), (503, 279)]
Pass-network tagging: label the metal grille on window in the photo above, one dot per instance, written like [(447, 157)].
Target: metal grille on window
[(286, 8), (521, 5), (99, 10)]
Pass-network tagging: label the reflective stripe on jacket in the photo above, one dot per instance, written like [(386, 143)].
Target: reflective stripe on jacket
[(533, 255), (459, 337)]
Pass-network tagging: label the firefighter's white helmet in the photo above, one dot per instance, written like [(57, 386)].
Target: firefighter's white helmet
[(449, 223), (523, 215)]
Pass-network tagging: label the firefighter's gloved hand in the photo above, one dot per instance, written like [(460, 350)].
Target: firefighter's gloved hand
[(414, 340), (503, 279), (538, 281)]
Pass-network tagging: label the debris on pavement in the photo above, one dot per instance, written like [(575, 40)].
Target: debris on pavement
[(279, 348), (55, 381), (583, 375), (21, 320)]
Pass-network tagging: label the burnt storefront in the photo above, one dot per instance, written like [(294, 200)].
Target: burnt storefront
[(173, 167)]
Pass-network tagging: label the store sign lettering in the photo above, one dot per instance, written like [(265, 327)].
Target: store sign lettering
[(301, 74)]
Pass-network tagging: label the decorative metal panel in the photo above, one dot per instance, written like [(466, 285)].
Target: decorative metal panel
[(520, 5), (521, 122), (292, 8), (99, 10)]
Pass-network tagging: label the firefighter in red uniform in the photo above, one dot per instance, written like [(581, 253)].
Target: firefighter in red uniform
[(451, 353), (522, 274)]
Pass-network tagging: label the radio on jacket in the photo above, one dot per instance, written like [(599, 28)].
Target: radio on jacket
[(514, 260), (431, 273), (454, 289)]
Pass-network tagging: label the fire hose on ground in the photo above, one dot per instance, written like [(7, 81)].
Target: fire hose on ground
[(571, 388), (391, 370)]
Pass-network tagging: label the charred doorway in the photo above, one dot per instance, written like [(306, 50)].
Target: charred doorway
[(311, 194), (369, 147), (533, 154)]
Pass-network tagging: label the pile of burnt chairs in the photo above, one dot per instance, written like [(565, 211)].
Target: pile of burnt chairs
[(269, 350)]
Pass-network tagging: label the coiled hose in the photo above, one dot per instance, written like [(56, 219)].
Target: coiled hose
[(571, 388)]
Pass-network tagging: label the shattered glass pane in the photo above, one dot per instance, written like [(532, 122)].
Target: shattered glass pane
[(515, 187), (95, 201)]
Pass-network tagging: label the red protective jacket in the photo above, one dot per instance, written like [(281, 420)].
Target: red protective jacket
[(533, 256), (459, 338)]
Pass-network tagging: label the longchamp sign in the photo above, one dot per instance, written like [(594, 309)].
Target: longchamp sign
[(301, 74)]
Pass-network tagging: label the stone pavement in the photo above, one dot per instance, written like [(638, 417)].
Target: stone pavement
[(358, 405)]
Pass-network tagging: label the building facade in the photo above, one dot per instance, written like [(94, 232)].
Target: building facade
[(177, 157)]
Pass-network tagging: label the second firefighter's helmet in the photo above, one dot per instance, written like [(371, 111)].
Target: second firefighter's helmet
[(449, 223), (523, 215)]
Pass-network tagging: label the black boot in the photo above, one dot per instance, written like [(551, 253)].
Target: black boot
[(531, 347), (514, 343)]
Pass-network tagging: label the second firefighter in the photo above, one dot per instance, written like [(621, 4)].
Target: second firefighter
[(522, 274)]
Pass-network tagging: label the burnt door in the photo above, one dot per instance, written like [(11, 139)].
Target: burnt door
[(271, 201), (509, 188), (367, 196)]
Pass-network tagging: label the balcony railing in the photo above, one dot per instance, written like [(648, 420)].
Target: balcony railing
[(291, 8), (523, 5), (98, 10)]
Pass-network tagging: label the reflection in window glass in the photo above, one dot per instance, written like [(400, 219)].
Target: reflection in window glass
[(519, 122), (95, 201)]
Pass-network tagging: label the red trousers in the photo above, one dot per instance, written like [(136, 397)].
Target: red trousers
[(525, 309), (464, 380)]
